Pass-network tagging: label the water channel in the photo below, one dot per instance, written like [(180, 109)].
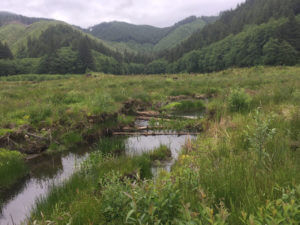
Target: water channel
[(49, 170)]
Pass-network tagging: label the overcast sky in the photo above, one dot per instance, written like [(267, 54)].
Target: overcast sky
[(86, 13)]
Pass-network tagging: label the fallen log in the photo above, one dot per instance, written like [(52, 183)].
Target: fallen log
[(149, 118), (33, 156), (133, 129), (36, 136), (153, 133), (148, 113)]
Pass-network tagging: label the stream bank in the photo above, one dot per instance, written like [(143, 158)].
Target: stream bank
[(47, 171)]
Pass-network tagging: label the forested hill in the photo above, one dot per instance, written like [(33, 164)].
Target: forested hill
[(257, 32), (252, 12), (148, 38), (57, 47), (7, 17)]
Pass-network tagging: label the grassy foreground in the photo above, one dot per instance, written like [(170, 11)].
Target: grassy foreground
[(243, 169)]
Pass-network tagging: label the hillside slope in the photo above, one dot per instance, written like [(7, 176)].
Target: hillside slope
[(179, 34), (16, 35), (144, 38), (252, 12), (7, 18)]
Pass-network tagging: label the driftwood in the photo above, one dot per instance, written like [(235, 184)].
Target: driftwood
[(38, 137), (133, 129), (43, 138), (156, 116), (148, 113), (153, 133), (33, 156), (149, 118)]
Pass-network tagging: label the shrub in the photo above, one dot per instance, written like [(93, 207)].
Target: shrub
[(259, 136), (285, 210), (239, 101)]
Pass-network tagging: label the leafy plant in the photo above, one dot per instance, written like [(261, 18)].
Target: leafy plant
[(259, 136), (238, 101), (285, 210)]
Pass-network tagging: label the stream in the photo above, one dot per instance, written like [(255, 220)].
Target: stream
[(49, 170)]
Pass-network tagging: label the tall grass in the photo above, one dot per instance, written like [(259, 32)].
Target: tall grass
[(12, 167), (243, 167), (82, 196)]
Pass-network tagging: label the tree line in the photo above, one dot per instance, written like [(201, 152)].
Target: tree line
[(231, 22), (240, 38)]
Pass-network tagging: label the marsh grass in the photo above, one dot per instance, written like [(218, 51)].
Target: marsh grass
[(161, 153), (185, 106), (108, 145), (234, 173), (242, 166), (12, 167), (82, 196)]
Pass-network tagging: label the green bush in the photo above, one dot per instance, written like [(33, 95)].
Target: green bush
[(238, 101), (285, 210)]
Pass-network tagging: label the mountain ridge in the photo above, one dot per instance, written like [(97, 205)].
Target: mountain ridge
[(139, 37), (122, 35)]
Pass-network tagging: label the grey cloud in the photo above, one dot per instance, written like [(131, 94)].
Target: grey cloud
[(89, 12)]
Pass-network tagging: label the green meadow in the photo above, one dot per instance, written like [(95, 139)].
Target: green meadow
[(243, 167)]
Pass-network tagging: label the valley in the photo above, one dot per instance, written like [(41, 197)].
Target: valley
[(236, 104), (184, 121)]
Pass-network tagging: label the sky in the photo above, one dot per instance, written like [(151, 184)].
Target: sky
[(86, 13)]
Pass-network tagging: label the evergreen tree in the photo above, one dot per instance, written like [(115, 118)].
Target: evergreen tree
[(86, 60), (279, 53), (156, 67), (5, 52)]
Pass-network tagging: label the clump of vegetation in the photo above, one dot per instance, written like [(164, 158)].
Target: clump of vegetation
[(109, 145), (185, 106), (71, 138), (161, 153), (238, 101), (101, 182), (12, 167), (284, 210)]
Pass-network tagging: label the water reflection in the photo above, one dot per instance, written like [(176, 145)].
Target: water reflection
[(47, 171), (137, 145), (43, 177)]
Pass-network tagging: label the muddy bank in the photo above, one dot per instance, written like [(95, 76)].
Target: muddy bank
[(30, 140)]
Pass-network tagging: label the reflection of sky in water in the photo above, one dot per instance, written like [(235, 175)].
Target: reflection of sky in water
[(140, 144), (141, 123), (50, 171), (19, 206)]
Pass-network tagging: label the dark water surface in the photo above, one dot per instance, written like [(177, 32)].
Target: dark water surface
[(47, 171)]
